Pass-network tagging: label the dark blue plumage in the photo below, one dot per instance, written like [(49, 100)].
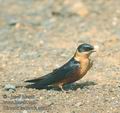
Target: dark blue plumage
[(58, 74)]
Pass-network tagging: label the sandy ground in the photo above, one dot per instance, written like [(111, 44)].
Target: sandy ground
[(37, 36)]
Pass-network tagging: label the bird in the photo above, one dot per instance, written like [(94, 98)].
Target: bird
[(70, 72)]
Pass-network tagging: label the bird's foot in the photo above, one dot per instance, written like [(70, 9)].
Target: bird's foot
[(62, 89)]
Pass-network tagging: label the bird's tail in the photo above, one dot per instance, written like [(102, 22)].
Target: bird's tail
[(37, 86), (37, 83), (33, 80)]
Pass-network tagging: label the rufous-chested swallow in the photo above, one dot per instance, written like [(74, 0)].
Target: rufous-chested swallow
[(70, 72)]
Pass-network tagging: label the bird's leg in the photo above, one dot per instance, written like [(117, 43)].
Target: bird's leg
[(61, 87)]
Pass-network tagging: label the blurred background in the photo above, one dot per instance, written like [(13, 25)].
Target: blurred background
[(37, 36)]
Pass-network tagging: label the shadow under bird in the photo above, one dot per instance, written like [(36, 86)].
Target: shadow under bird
[(70, 72)]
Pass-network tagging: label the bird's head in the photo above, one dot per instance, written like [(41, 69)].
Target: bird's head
[(84, 51)]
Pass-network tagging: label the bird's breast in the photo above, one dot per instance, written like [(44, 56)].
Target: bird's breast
[(84, 67)]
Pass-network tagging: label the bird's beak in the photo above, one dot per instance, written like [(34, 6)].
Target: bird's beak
[(96, 48)]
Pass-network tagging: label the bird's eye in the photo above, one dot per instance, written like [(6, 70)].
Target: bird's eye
[(88, 48)]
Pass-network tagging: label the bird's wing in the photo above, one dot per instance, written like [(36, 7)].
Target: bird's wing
[(59, 74)]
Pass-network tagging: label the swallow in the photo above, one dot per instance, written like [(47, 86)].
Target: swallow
[(70, 72)]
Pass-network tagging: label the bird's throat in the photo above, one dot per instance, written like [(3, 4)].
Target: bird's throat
[(80, 56)]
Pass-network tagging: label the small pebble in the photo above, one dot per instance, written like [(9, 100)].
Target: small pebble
[(78, 104), (25, 111), (10, 87)]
